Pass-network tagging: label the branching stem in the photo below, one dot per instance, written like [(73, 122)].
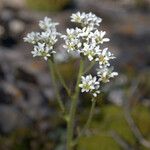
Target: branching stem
[(58, 97), (73, 107), (87, 123)]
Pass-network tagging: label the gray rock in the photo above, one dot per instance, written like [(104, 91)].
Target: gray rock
[(2, 74), (26, 76), (2, 30), (33, 104), (13, 3), (16, 27), (9, 93), (6, 15), (11, 118)]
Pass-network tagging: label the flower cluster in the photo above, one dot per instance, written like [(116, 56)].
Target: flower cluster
[(43, 41), (84, 19), (85, 41), (88, 41), (105, 74), (90, 84)]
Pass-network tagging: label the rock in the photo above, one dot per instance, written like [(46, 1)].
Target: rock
[(146, 102), (11, 118), (14, 3), (24, 75), (5, 98), (2, 30), (9, 93), (7, 15), (33, 104), (2, 74), (48, 93), (12, 26), (16, 27)]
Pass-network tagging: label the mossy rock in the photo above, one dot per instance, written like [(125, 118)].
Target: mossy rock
[(113, 119), (142, 119), (25, 139), (98, 143), (142, 4), (47, 5)]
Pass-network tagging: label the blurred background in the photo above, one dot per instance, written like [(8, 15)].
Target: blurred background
[(29, 116)]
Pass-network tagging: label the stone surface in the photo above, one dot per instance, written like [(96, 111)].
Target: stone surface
[(13, 3), (11, 118), (16, 26)]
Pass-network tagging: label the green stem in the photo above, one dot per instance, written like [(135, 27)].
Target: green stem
[(87, 123), (51, 67), (90, 115), (62, 81), (72, 111)]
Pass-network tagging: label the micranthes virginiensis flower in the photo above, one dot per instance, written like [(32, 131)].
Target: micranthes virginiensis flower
[(44, 41), (87, 40)]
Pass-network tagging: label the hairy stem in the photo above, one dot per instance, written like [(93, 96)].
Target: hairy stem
[(52, 71), (62, 81), (73, 107), (87, 123)]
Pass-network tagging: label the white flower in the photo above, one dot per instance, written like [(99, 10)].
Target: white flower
[(89, 84), (72, 33), (43, 50), (72, 45), (47, 24), (84, 32), (85, 20), (48, 37), (32, 37), (78, 17), (72, 41), (92, 19), (103, 57), (90, 50), (105, 74), (43, 42), (98, 36)]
